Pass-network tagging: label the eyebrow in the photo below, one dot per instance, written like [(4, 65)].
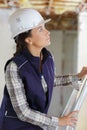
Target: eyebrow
[(39, 27)]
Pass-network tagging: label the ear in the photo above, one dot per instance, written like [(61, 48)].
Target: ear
[(28, 40)]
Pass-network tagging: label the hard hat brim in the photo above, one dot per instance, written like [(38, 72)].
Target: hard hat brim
[(26, 29)]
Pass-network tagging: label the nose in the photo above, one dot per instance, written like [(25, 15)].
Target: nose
[(47, 31)]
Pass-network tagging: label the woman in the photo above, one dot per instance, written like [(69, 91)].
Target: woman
[(30, 77)]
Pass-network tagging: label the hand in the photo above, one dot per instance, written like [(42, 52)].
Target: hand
[(82, 73), (69, 120)]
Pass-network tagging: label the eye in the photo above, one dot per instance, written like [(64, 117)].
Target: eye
[(40, 29)]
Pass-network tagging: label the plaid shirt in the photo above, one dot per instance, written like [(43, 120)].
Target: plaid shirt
[(18, 98)]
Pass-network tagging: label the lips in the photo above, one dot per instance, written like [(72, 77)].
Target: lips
[(48, 38)]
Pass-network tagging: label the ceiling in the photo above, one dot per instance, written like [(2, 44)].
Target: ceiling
[(62, 12)]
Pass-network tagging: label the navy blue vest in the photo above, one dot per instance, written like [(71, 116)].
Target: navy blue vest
[(28, 68)]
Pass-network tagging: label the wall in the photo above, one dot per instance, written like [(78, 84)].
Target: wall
[(63, 47), (7, 45), (6, 51), (82, 61), (56, 49)]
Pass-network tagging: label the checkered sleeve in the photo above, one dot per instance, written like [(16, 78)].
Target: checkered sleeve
[(17, 95), (66, 80)]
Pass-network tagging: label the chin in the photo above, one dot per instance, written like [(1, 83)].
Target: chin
[(48, 44)]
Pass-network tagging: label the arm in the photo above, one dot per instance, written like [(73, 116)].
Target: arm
[(70, 79), (65, 80)]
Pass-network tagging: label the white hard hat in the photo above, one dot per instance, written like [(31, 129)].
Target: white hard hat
[(25, 19)]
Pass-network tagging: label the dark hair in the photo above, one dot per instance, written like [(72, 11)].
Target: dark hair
[(20, 41)]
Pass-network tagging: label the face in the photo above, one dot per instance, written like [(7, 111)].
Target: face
[(40, 37)]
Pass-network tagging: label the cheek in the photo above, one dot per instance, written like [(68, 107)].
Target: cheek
[(39, 39)]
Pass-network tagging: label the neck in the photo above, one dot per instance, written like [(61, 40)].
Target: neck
[(35, 51)]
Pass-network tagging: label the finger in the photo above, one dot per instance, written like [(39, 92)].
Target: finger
[(74, 120), (74, 113), (72, 123)]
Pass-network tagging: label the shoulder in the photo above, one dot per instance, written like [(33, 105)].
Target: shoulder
[(16, 61), (20, 60), (7, 63), (11, 68), (47, 55), (46, 52)]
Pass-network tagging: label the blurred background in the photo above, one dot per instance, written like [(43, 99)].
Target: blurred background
[(68, 29)]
